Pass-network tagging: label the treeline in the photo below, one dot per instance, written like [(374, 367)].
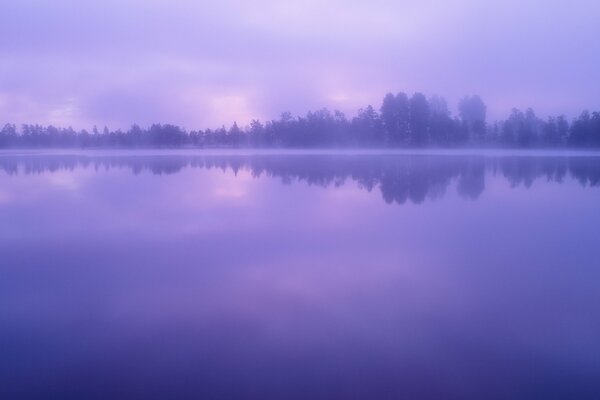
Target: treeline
[(400, 180), (401, 121)]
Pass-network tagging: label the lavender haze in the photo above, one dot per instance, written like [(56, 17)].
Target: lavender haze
[(179, 275), (202, 64)]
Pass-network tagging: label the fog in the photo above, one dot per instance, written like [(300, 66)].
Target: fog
[(299, 199), (200, 65)]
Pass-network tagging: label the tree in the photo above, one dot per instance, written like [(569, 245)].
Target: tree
[(235, 135), (550, 132), (521, 129), (555, 131), (511, 127), (441, 127), (563, 129), (389, 116), (529, 133), (341, 128), (394, 117), (257, 134), (367, 127), (472, 111), (8, 136), (401, 121), (580, 133), (595, 129), (403, 105), (419, 119)]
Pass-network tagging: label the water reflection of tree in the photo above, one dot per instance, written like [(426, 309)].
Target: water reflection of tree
[(401, 179), (525, 170)]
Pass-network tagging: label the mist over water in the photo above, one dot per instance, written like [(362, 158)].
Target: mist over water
[(299, 200), (264, 275)]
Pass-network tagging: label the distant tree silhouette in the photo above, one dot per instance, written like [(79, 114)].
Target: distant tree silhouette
[(367, 128), (524, 129), (585, 130), (395, 118), (8, 136), (555, 131), (443, 131), (419, 119), (400, 122), (472, 112)]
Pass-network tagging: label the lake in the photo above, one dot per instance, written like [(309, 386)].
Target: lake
[(299, 275)]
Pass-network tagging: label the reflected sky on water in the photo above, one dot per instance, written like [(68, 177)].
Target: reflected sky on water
[(137, 275)]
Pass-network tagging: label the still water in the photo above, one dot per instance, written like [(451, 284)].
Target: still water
[(299, 276)]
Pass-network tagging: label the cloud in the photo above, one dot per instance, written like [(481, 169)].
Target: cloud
[(201, 64)]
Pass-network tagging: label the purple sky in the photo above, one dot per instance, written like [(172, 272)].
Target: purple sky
[(202, 64)]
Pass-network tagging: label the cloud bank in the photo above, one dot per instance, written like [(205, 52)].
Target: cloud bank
[(202, 64)]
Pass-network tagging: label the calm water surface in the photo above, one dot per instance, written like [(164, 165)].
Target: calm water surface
[(206, 276)]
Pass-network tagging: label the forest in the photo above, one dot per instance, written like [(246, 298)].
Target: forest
[(400, 122)]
